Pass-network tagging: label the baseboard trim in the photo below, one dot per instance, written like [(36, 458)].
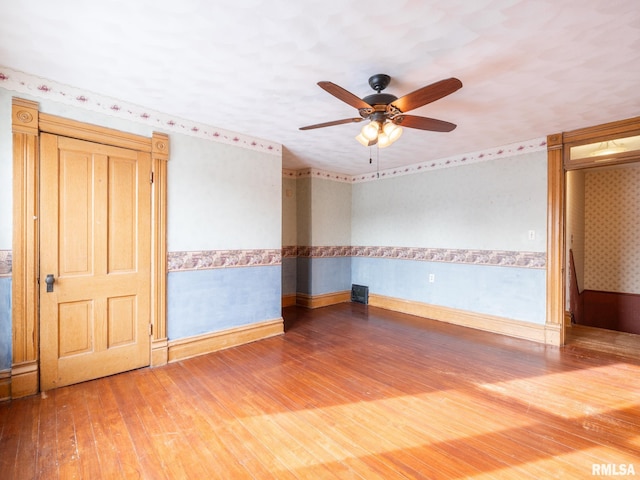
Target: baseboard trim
[(503, 326), (184, 348), (159, 352), (5, 385), (289, 300), (24, 379), (317, 301), (554, 335)]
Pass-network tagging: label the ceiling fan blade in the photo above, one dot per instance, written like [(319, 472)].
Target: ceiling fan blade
[(342, 94), (427, 94), (335, 122), (424, 123)]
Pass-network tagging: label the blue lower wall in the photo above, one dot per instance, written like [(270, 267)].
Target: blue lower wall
[(320, 275), (515, 293), (509, 292), (5, 323), (202, 301), (289, 275), (198, 301)]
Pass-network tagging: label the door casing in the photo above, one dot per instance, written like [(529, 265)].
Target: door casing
[(27, 123)]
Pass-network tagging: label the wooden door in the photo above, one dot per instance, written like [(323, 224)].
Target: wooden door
[(95, 240)]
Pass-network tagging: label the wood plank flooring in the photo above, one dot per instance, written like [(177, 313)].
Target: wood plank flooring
[(617, 343), (350, 392)]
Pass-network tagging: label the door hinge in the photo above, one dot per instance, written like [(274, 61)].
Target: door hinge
[(151, 177), (150, 329)]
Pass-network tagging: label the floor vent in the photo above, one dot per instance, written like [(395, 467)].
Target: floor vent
[(360, 294)]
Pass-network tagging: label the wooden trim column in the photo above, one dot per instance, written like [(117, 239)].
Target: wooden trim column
[(24, 288), (555, 241), (159, 158)]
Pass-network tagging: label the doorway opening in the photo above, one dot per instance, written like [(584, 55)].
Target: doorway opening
[(603, 259), (597, 202)]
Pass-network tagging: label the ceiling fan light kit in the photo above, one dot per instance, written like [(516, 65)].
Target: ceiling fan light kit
[(365, 142), (386, 112), (370, 130)]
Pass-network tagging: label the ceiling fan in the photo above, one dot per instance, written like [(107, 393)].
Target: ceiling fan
[(387, 112)]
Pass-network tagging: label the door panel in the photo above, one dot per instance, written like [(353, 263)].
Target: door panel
[(75, 325), (96, 241), (122, 215), (121, 325), (76, 213)]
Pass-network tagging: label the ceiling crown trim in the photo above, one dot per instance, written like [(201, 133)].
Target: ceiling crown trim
[(48, 89)]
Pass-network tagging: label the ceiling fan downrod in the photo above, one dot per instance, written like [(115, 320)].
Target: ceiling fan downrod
[(378, 101)]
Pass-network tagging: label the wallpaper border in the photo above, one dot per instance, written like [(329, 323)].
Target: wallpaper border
[(501, 258), (209, 259), (6, 263), (212, 259), (511, 150), (68, 95)]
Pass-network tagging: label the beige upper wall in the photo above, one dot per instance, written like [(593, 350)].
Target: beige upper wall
[(492, 205), (220, 196), (289, 212), (323, 213), (330, 213), (575, 226)]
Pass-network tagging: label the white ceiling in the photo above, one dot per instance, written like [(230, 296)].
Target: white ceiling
[(529, 67)]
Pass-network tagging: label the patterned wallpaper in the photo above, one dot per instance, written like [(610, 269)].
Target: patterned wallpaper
[(448, 255), (520, 148), (209, 259), (199, 260), (612, 229), (5, 263)]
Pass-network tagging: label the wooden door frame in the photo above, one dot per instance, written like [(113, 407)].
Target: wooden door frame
[(559, 162), (27, 123)]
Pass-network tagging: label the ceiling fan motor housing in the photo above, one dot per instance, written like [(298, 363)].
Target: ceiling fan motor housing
[(379, 99)]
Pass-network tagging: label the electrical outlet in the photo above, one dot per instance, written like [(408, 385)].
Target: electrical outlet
[(432, 278), (532, 234)]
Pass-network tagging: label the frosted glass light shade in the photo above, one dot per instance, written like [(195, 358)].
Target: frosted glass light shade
[(370, 130), (365, 142), (384, 140), (392, 130)]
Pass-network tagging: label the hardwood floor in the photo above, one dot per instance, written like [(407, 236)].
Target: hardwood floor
[(349, 391), (599, 339)]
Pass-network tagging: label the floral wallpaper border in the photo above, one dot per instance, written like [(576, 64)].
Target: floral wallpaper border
[(502, 258), (43, 88), (197, 260), (519, 148), (210, 259), (6, 263), (290, 251)]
